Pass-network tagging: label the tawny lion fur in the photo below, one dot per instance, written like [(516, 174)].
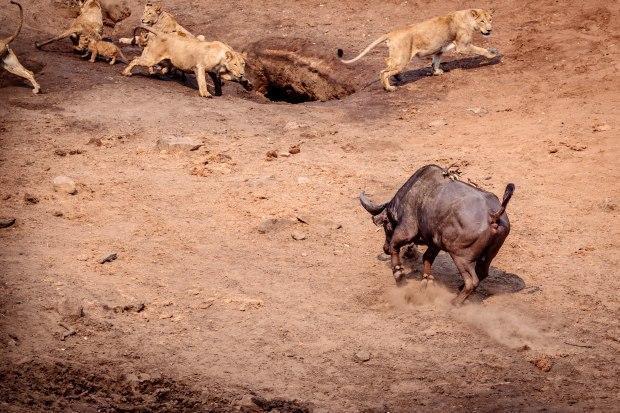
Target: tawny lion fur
[(431, 38), (192, 55)]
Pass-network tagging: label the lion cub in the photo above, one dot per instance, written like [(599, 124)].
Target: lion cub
[(98, 47)]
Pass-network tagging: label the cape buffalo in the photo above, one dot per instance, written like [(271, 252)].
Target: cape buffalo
[(434, 209)]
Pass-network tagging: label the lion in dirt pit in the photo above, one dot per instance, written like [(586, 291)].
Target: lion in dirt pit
[(192, 55), (9, 59), (89, 22), (154, 16), (431, 38)]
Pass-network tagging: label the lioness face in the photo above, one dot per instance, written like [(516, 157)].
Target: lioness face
[(152, 10), (235, 69), (483, 21)]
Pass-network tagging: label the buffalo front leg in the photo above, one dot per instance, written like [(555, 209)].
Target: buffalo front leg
[(402, 236), (11, 64), (428, 258), (201, 77)]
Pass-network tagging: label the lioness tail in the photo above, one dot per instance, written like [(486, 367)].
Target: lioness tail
[(366, 50), (21, 22)]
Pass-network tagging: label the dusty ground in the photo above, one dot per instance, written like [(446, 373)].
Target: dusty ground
[(212, 299)]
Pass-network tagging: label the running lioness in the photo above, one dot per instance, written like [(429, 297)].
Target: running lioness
[(431, 38)]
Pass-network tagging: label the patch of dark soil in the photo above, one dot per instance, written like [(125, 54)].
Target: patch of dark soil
[(60, 386), (296, 71)]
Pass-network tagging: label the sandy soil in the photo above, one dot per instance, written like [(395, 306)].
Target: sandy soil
[(212, 305)]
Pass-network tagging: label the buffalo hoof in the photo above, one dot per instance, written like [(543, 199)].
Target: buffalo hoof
[(398, 273)]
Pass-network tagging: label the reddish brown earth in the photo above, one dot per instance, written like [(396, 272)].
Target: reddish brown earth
[(233, 305)]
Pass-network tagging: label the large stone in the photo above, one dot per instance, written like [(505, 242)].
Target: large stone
[(178, 144), (65, 185)]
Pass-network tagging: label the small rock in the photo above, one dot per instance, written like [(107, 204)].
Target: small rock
[(601, 128), (478, 111), (543, 363), (6, 222), (361, 356), (60, 152), (295, 149), (30, 199), (553, 150), (298, 236), (165, 316), (303, 180), (57, 213), (178, 144), (438, 123), (95, 141), (246, 403), (70, 309), (64, 184), (108, 258), (284, 155), (268, 225), (522, 348), (271, 155), (607, 205)]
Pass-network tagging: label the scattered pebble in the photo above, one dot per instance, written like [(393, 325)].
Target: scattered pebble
[(543, 363), (30, 199), (271, 155), (64, 184), (601, 128), (438, 123), (295, 149), (298, 236), (108, 258), (361, 356), (6, 222), (478, 111), (60, 152)]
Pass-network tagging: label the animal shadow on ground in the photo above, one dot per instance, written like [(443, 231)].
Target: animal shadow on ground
[(447, 275), (465, 63)]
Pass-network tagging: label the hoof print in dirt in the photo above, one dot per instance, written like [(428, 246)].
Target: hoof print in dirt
[(296, 71)]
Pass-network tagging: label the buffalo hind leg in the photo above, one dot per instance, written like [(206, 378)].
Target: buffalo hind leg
[(467, 268), (428, 258)]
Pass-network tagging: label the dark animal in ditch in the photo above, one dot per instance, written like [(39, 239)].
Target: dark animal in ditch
[(443, 213)]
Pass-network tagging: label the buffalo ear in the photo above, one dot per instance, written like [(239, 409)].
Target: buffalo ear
[(475, 13)]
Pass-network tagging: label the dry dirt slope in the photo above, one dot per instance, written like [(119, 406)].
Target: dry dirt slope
[(232, 304)]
